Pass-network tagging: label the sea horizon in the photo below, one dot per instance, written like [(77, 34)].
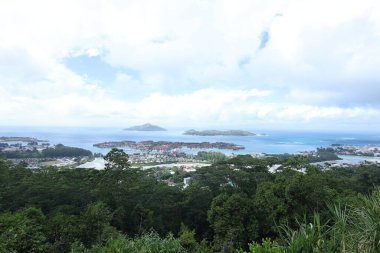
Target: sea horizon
[(268, 141)]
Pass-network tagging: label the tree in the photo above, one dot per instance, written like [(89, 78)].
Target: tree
[(187, 238), (117, 159), (151, 243), (142, 218), (22, 231), (197, 203), (62, 231), (297, 161), (270, 207), (232, 220), (94, 222)]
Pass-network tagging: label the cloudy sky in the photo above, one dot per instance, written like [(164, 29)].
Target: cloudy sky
[(257, 64)]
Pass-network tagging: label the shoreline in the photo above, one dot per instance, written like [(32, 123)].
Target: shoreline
[(167, 145)]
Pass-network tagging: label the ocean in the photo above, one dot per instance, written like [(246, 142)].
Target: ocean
[(273, 142)]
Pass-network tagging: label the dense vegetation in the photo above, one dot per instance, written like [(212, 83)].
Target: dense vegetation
[(212, 156), (232, 205), (321, 155), (58, 151)]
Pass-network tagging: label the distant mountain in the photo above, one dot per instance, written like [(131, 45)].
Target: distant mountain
[(145, 127), (218, 132)]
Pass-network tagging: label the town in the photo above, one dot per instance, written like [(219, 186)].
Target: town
[(37, 153), (22, 144), (146, 154), (167, 145), (367, 150), (347, 150)]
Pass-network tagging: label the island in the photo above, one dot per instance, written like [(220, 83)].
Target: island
[(44, 150), (145, 127), (19, 139), (218, 132), (149, 146)]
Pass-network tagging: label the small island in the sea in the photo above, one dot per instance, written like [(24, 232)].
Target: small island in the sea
[(145, 127), (218, 132)]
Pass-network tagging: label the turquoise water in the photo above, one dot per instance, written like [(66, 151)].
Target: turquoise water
[(274, 142)]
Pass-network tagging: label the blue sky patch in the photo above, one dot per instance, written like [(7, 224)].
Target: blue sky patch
[(264, 39), (95, 69)]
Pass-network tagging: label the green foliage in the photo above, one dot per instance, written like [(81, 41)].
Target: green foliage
[(57, 152), (197, 203), (227, 206), (310, 237), (248, 160), (353, 229), (64, 230), (211, 156), (365, 223), (147, 243), (64, 151), (324, 154), (267, 246), (94, 221), (117, 159), (232, 220), (187, 238), (22, 231), (297, 161), (241, 174), (271, 208), (142, 218)]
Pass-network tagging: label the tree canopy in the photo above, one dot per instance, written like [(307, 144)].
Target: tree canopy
[(236, 204)]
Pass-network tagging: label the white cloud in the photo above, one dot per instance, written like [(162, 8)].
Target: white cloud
[(324, 47), (196, 61), (202, 108)]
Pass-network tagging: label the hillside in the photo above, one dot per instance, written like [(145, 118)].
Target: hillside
[(145, 127)]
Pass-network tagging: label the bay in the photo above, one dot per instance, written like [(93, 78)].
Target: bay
[(273, 142)]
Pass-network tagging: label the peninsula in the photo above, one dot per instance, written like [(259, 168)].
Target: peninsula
[(20, 139), (218, 132), (145, 127)]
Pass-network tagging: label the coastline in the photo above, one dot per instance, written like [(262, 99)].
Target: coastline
[(276, 142)]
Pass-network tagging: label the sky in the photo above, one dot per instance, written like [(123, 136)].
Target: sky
[(242, 64)]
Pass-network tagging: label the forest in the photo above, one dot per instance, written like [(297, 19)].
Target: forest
[(59, 151), (234, 205)]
